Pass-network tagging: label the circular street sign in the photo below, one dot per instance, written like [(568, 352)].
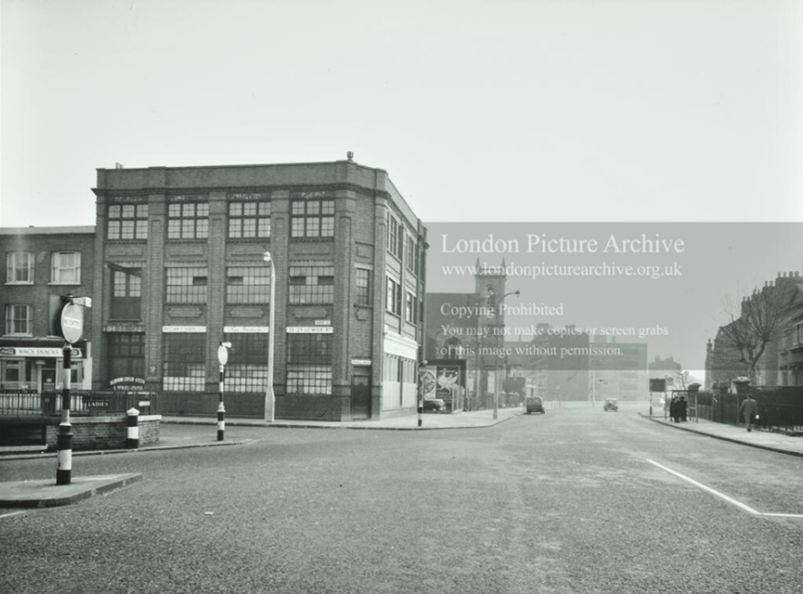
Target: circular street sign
[(72, 322), (222, 355)]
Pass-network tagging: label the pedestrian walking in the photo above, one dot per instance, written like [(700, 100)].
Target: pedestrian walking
[(684, 405), (748, 408)]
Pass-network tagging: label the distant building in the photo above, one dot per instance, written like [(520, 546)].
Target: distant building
[(41, 264), (781, 363), (561, 364), (180, 267), (467, 327)]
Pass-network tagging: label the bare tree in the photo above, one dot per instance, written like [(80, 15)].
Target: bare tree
[(762, 318)]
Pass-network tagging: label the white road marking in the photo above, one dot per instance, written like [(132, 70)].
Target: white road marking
[(11, 514), (784, 515), (747, 508)]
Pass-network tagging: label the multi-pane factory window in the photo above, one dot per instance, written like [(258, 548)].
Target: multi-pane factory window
[(188, 220), (393, 297), (247, 284), (410, 308), (247, 369), (126, 355), (395, 232), (128, 221), (126, 294), (186, 285), (66, 268), (312, 284), (410, 257), (312, 218), (18, 320), (249, 218), (184, 367), (309, 364), (19, 268), (362, 295)]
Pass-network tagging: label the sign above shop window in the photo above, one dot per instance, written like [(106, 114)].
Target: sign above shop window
[(36, 352), (309, 330)]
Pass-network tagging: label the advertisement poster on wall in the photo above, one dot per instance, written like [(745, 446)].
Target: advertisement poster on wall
[(450, 383)]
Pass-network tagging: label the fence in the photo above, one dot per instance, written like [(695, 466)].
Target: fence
[(82, 402), (779, 408)]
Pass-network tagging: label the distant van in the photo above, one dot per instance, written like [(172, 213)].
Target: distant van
[(535, 404)]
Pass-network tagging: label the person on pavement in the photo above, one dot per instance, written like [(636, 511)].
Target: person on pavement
[(748, 408), (675, 409)]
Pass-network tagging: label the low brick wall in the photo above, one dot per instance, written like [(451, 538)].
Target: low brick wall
[(106, 432)]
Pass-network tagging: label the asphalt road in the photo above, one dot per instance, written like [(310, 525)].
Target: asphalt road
[(574, 501)]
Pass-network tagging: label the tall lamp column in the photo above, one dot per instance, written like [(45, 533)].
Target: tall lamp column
[(270, 398), (499, 352)]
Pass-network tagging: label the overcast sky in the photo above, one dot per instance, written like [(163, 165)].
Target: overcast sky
[(564, 110)]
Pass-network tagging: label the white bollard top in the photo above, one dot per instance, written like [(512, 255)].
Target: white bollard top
[(132, 412)]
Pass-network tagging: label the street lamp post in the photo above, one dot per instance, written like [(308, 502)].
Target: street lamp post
[(270, 398), (499, 353)]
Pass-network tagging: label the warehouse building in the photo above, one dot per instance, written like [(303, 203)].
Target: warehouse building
[(184, 261)]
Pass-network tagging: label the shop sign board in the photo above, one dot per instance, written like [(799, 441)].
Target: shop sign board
[(36, 352)]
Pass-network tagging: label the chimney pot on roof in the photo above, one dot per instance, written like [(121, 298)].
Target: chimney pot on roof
[(350, 155), (118, 165)]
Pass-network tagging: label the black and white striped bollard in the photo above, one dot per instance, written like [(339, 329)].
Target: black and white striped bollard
[(132, 441), (221, 421)]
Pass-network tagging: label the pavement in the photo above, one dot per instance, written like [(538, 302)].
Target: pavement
[(46, 493), (766, 440)]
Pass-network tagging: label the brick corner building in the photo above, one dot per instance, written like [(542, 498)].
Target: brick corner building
[(180, 267)]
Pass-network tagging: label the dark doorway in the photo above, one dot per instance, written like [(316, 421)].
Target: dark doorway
[(360, 396)]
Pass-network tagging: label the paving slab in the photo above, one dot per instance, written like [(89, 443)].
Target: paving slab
[(46, 493)]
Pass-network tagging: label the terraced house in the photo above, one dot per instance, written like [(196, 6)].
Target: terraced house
[(182, 265), (39, 265)]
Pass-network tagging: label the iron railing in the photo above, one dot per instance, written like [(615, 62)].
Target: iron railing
[(779, 408), (82, 402)]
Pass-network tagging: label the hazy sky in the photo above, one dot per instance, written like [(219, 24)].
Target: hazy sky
[(564, 110)]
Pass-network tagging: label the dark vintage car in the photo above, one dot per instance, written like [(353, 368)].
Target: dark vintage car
[(434, 405), (535, 404), (611, 404)]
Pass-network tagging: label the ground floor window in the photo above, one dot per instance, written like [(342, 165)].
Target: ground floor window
[(126, 355), (247, 368), (184, 367), (309, 364), (15, 375)]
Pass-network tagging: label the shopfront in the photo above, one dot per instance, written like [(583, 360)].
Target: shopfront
[(36, 365)]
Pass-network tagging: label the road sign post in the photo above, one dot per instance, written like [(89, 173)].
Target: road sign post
[(222, 358), (72, 328)]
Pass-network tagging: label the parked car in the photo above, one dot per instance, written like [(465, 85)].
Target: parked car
[(535, 404), (611, 404), (434, 405)]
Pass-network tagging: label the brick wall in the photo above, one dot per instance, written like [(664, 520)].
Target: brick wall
[(205, 404), (106, 433)]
